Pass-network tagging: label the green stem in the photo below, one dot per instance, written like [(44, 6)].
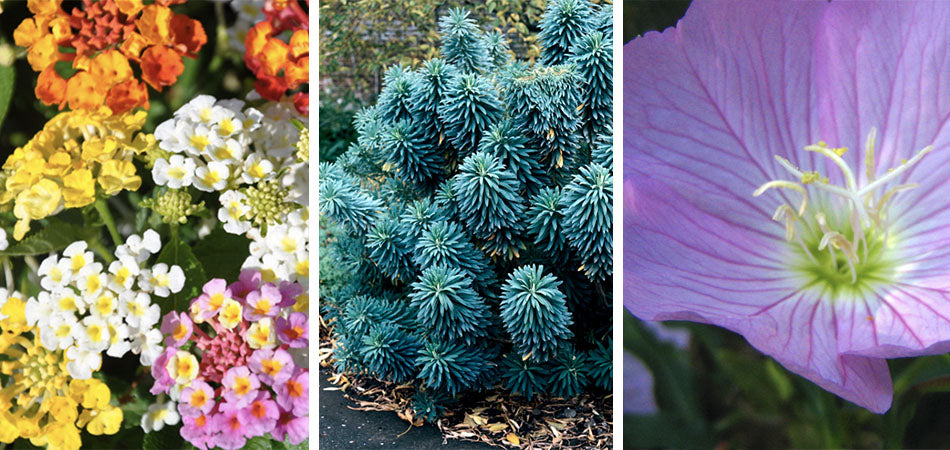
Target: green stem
[(103, 210), (96, 246), (174, 230)]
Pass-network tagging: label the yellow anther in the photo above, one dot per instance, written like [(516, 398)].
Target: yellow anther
[(840, 151), (811, 177)]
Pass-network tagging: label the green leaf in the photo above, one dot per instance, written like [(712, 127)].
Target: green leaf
[(54, 237), (278, 445), (167, 437), (258, 443), (195, 276), (7, 80), (222, 254)]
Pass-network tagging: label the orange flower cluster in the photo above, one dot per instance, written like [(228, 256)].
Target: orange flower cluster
[(280, 66), (107, 36)]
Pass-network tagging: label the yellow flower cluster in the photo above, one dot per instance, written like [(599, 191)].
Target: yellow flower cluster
[(66, 160), (40, 402)]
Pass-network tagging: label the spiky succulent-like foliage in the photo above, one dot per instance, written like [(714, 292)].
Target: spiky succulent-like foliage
[(447, 305), (430, 85), (491, 193), (389, 250), (506, 142), (603, 19), (523, 376), (603, 151), (444, 243), (429, 404), (418, 216), (545, 224), (546, 100), (593, 57), (449, 367), (389, 352), (469, 107), (413, 154), (567, 373), (534, 313), (588, 212), (463, 44), (342, 199), (498, 51), (599, 365), (395, 101), (563, 23), (464, 246)]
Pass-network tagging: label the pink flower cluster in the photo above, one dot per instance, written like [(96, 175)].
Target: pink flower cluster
[(229, 365)]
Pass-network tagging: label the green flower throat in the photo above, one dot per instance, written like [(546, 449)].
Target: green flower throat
[(843, 244)]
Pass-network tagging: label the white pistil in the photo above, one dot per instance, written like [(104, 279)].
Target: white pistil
[(865, 211)]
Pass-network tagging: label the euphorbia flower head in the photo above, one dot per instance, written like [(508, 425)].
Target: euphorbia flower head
[(744, 207)]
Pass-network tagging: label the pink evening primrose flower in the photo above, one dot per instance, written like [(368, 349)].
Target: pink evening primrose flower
[(294, 394), (272, 366), (785, 178), (293, 330), (260, 416), (177, 328), (240, 385)]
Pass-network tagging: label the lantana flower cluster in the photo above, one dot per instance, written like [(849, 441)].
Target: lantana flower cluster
[(102, 40), (251, 158), (278, 65), (63, 164), (41, 401), (284, 253), (229, 363), (87, 308)]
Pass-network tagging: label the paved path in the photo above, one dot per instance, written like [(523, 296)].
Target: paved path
[(344, 428)]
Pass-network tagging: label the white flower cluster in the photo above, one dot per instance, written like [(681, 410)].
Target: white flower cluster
[(209, 141), (216, 145), (249, 12), (86, 308), (285, 252)]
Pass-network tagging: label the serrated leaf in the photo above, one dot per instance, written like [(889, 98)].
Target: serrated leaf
[(195, 276), (56, 236)]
